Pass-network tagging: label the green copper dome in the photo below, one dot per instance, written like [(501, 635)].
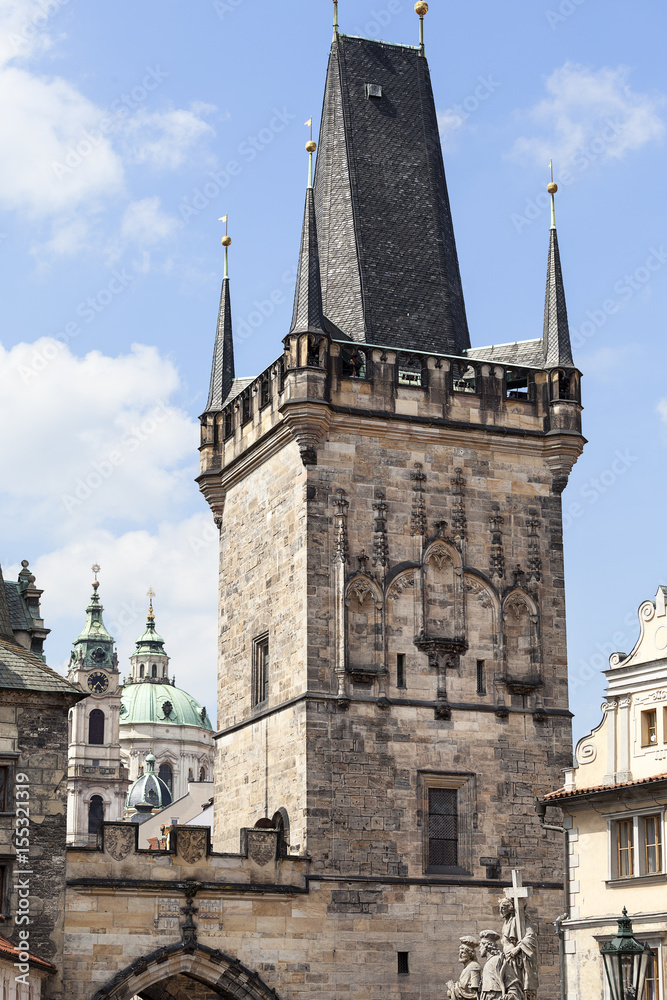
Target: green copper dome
[(161, 703)]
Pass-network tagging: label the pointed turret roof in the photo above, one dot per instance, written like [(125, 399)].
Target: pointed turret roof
[(556, 337), (389, 267), (6, 630), (307, 316), (222, 371)]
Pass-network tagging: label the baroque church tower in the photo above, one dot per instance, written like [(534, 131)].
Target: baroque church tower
[(97, 781), (392, 666)]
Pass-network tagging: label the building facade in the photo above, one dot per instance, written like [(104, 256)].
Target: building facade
[(392, 688), (120, 722), (34, 706), (614, 802)]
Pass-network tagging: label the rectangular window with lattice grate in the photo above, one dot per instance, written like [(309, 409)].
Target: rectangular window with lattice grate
[(449, 816)]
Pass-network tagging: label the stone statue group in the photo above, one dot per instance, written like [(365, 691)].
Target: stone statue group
[(512, 964)]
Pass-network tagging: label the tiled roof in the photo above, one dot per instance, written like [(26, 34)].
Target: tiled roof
[(7, 950), (557, 347), (388, 260), (238, 385), (566, 793), (307, 315), (17, 608), (21, 670), (523, 353), (6, 630)]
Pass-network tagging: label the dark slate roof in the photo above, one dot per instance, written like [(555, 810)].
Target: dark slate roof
[(523, 353), (390, 272), (21, 670), (222, 371), (18, 610), (557, 346), (307, 315), (238, 385), (6, 631)]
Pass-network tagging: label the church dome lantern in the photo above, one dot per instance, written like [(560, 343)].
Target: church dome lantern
[(149, 790)]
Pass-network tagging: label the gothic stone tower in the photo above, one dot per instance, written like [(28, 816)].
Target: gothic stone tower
[(392, 674)]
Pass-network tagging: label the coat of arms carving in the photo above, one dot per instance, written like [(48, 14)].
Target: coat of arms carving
[(192, 845), (119, 841), (261, 846)]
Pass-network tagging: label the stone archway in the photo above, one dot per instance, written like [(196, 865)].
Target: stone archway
[(184, 972)]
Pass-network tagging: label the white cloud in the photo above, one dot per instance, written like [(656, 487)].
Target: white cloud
[(164, 140), (589, 114), (144, 222), (111, 444), (177, 558), (662, 410)]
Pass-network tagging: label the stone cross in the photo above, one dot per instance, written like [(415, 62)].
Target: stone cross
[(518, 892)]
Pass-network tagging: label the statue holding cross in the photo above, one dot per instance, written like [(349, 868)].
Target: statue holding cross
[(519, 940)]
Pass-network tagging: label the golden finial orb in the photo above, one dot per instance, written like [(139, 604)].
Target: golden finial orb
[(311, 146), (552, 188), (421, 8), (226, 241)]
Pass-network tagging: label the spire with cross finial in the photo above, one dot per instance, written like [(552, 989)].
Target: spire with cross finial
[(94, 646), (149, 661), (222, 370)]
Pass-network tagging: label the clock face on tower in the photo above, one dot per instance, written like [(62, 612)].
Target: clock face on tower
[(98, 682)]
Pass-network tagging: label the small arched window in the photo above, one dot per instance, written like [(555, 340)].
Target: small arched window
[(154, 670), (166, 774), (95, 814), (96, 727), (70, 720), (141, 670), (202, 774), (164, 671)]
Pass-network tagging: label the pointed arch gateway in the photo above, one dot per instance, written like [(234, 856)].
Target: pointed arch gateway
[(182, 972)]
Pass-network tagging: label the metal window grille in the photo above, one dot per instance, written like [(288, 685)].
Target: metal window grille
[(400, 670), (443, 827), (481, 677), (403, 963), (626, 848), (260, 671)]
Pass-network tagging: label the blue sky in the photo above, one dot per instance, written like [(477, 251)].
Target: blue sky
[(129, 129)]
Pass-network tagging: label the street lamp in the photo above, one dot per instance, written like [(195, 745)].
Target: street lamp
[(625, 962)]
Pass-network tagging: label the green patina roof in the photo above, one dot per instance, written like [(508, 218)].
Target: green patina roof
[(146, 702), (94, 647), (149, 789)]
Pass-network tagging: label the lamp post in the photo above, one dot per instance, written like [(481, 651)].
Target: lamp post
[(625, 962)]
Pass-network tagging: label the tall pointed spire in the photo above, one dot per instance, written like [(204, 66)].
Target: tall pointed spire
[(308, 316), (556, 337), (6, 631), (389, 267), (222, 372), (94, 646)]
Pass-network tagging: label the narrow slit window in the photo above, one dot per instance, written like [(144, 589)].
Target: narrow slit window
[(4, 788), (403, 963), (260, 671), (400, 670), (481, 677)]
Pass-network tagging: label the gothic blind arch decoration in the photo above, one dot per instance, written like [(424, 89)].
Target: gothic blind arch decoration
[(521, 641), (482, 615), (443, 591), (364, 608), (224, 975), (96, 727), (402, 618)]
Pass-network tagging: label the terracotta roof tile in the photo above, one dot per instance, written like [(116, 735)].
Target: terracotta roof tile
[(567, 793), (7, 950)]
